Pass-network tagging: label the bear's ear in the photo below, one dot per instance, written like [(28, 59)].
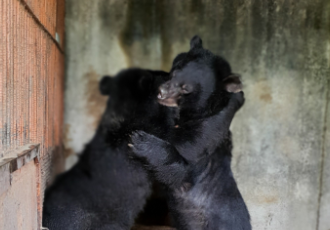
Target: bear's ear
[(196, 42), (233, 84), (105, 85)]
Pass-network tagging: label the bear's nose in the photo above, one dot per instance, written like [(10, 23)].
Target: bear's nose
[(162, 93), (163, 90)]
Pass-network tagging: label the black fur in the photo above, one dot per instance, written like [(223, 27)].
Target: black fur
[(194, 161), (106, 189)]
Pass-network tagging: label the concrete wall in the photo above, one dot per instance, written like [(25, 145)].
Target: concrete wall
[(281, 49)]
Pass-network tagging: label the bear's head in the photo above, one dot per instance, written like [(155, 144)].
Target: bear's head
[(132, 100), (200, 82)]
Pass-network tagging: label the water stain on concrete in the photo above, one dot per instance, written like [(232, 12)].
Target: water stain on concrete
[(266, 97), (66, 140), (263, 91), (268, 199), (111, 14), (146, 22), (95, 101)]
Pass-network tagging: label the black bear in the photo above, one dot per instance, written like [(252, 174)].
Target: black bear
[(106, 189), (193, 162)]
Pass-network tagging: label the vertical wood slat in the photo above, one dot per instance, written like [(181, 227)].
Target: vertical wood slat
[(44, 11), (2, 73), (2, 42)]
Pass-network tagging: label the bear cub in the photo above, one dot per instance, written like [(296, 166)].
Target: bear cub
[(193, 161), (106, 189)]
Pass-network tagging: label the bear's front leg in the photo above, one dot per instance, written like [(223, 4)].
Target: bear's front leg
[(162, 158), (149, 147)]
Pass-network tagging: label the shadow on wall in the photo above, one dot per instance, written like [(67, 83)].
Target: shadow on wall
[(282, 51)]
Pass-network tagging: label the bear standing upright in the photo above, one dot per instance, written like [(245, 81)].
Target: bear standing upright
[(106, 189), (194, 161)]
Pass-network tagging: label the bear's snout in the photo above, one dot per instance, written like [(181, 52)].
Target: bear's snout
[(169, 90), (168, 94)]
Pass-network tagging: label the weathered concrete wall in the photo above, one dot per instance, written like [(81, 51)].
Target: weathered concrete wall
[(282, 50), (324, 197)]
